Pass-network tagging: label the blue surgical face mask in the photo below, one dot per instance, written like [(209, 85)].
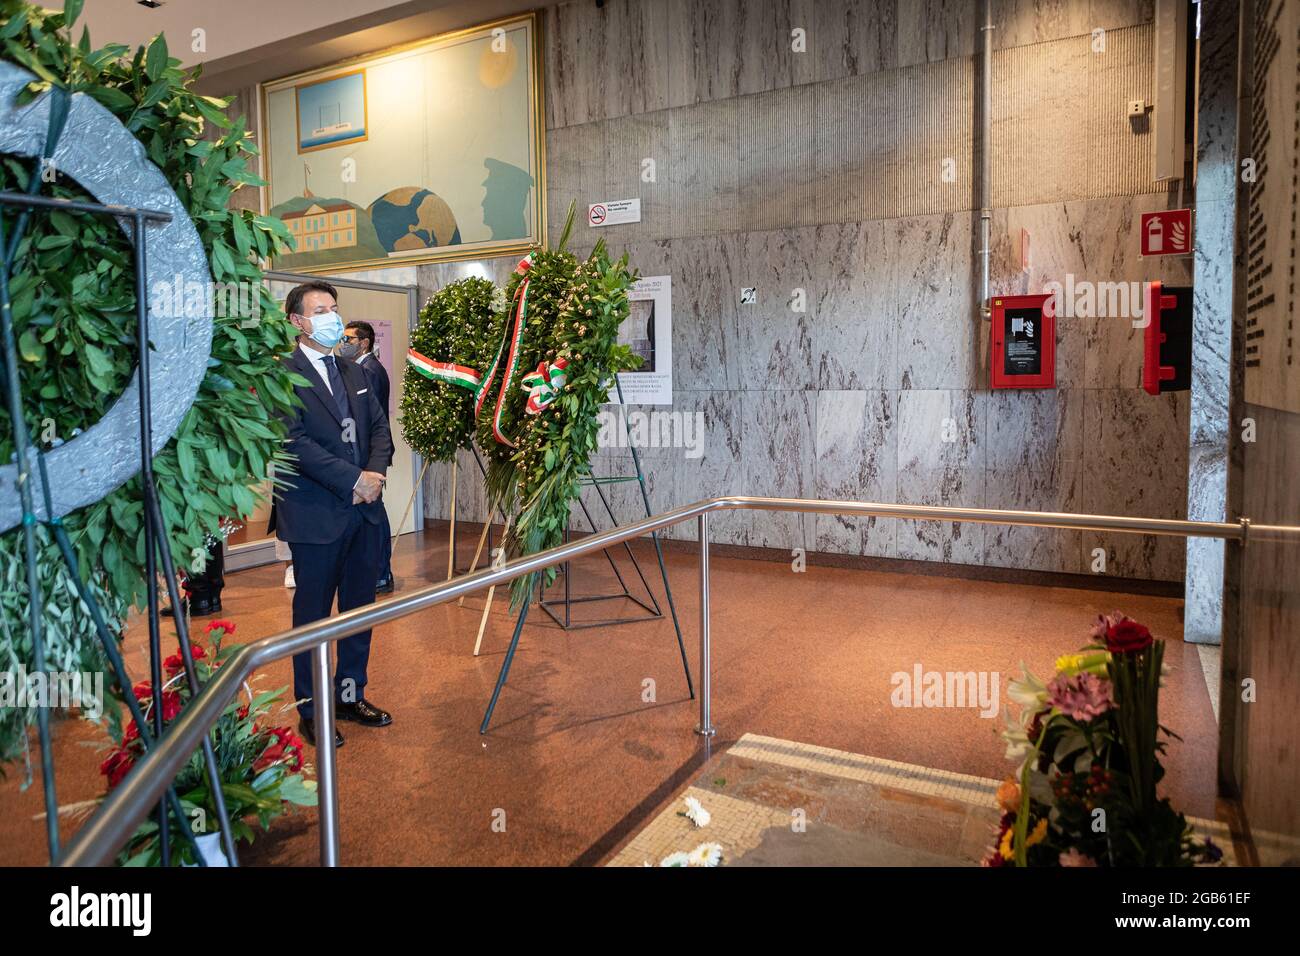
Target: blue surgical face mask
[(326, 329)]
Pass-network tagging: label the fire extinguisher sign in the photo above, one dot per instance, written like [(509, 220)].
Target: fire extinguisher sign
[(1167, 233)]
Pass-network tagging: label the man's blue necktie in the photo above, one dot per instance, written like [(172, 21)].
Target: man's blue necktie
[(340, 395)]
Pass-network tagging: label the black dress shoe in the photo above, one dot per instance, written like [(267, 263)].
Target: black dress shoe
[(363, 712), (202, 606), (167, 611), (307, 729), (384, 585)]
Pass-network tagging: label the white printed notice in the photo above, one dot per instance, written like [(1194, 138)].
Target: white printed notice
[(649, 332)]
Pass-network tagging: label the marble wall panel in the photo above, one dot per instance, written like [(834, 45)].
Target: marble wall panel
[(941, 461), (941, 429), (774, 335), (854, 315), (1134, 443), (952, 542), (934, 30), (723, 468), (822, 171), (854, 37), (1035, 489), (1038, 430), (1269, 743), (1022, 22), (706, 291), (632, 56), (779, 453), (857, 460), (932, 289)]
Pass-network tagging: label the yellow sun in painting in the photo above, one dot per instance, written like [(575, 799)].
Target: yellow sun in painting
[(499, 61)]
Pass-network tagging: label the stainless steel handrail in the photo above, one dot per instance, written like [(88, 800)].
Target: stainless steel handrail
[(130, 802)]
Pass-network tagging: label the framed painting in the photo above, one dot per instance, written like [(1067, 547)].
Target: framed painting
[(430, 151)]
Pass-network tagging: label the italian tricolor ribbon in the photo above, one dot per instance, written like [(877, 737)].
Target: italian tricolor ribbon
[(543, 386), (514, 336), (443, 371)]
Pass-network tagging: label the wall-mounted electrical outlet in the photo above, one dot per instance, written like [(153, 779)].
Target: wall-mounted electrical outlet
[(1137, 107)]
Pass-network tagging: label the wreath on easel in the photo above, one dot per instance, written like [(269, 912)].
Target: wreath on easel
[(532, 400), (461, 325)]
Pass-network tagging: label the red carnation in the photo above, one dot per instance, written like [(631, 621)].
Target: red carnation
[(176, 663), (1127, 637), (116, 766), (227, 626), (269, 757), (171, 704)]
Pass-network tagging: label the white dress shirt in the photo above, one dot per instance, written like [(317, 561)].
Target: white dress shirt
[(318, 363)]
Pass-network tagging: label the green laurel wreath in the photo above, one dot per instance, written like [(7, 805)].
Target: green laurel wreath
[(74, 314), (555, 447), (461, 323)]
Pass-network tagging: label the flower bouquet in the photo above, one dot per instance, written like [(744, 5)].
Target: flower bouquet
[(1089, 744), (261, 765)]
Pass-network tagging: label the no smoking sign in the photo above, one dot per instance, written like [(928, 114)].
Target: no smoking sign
[(614, 211)]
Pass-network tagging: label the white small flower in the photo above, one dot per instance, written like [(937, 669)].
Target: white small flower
[(696, 813), (675, 859), (706, 854)]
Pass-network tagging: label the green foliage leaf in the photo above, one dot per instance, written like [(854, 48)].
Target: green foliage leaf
[(73, 305)]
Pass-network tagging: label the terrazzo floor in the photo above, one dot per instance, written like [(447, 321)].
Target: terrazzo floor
[(593, 737)]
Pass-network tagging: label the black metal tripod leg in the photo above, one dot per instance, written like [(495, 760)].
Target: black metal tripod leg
[(627, 546), (505, 665), (659, 553)]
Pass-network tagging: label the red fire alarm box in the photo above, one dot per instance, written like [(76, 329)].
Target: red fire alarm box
[(1167, 339), (1024, 342)]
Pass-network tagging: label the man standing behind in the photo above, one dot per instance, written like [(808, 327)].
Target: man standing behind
[(331, 516), (359, 345)]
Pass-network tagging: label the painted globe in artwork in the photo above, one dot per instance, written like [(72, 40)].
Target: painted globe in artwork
[(411, 217)]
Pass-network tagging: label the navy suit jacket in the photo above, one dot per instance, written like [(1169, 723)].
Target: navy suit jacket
[(317, 506), (375, 369), (378, 376)]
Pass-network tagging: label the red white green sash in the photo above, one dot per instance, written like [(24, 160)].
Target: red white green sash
[(443, 371), (514, 336)]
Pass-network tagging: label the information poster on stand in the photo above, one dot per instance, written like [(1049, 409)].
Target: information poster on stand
[(649, 332)]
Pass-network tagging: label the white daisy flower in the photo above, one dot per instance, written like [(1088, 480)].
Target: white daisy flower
[(696, 813), (706, 854), (675, 859)]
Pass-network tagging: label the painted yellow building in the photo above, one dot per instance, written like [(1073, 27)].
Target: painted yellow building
[(323, 227)]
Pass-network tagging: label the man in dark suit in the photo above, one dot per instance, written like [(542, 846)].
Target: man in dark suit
[(359, 345), (331, 516)]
